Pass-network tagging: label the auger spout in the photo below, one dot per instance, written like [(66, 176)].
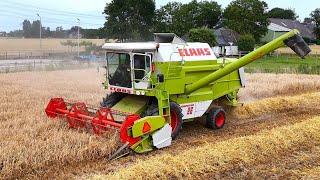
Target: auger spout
[(292, 39)]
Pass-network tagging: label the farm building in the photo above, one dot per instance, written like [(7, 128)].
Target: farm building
[(278, 27), (226, 42), (3, 34)]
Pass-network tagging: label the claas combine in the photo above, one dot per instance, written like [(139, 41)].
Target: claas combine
[(155, 87)]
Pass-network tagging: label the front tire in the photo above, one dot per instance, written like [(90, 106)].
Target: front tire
[(176, 119), (175, 114)]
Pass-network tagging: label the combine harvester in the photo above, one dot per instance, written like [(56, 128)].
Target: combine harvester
[(155, 87)]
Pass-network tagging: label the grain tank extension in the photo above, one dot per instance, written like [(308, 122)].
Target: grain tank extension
[(155, 87)]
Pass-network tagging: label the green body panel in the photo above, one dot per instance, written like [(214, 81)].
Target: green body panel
[(145, 145), (155, 122), (131, 104), (189, 73)]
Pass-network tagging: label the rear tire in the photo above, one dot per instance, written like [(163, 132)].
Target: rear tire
[(111, 99), (175, 113), (216, 118)]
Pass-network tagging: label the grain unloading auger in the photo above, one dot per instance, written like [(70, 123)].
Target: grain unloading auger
[(153, 88)]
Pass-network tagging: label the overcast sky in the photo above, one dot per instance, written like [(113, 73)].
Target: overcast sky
[(66, 12)]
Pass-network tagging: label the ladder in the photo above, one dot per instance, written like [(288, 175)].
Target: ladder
[(164, 104)]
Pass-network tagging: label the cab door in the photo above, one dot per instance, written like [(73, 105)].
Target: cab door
[(141, 70)]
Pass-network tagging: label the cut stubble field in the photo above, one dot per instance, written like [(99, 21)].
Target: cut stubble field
[(278, 123)]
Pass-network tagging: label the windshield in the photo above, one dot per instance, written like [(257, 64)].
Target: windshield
[(119, 71)]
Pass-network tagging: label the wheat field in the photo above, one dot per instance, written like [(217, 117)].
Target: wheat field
[(315, 50), (15, 44), (279, 122)]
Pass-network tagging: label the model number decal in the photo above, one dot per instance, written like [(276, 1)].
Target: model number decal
[(190, 110), (122, 90), (194, 52)]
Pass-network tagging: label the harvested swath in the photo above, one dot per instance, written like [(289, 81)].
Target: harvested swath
[(296, 164), (212, 158), (261, 85), (277, 105), (312, 173)]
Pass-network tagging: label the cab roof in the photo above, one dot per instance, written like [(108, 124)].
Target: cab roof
[(141, 46), (159, 38)]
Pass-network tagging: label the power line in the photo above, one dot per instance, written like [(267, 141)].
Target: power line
[(10, 9), (50, 11), (23, 16), (30, 13)]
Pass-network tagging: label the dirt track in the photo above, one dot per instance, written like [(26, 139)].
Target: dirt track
[(34, 90)]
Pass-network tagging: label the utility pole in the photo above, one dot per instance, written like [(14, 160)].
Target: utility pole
[(40, 31), (78, 20)]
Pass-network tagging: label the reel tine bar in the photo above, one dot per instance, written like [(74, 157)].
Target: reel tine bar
[(78, 115)]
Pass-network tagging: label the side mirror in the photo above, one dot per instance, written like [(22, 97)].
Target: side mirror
[(160, 78), (298, 45)]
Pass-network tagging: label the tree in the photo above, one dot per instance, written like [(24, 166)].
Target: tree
[(35, 29), (207, 13), (128, 18), (246, 42), (16, 33), (60, 33), (102, 33), (202, 35), (180, 18), (26, 29), (47, 32), (315, 15), (247, 17), (167, 17), (91, 33), (282, 13)]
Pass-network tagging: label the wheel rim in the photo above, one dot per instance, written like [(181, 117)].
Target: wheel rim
[(220, 119), (174, 120)]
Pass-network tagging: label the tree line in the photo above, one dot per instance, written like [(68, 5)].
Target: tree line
[(130, 20), (32, 30)]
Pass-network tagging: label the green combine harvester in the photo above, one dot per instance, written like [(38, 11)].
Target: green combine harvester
[(155, 87)]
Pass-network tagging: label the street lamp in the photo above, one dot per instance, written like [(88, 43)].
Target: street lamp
[(78, 20), (40, 31)]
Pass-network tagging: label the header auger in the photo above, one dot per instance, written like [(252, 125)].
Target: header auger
[(153, 88)]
